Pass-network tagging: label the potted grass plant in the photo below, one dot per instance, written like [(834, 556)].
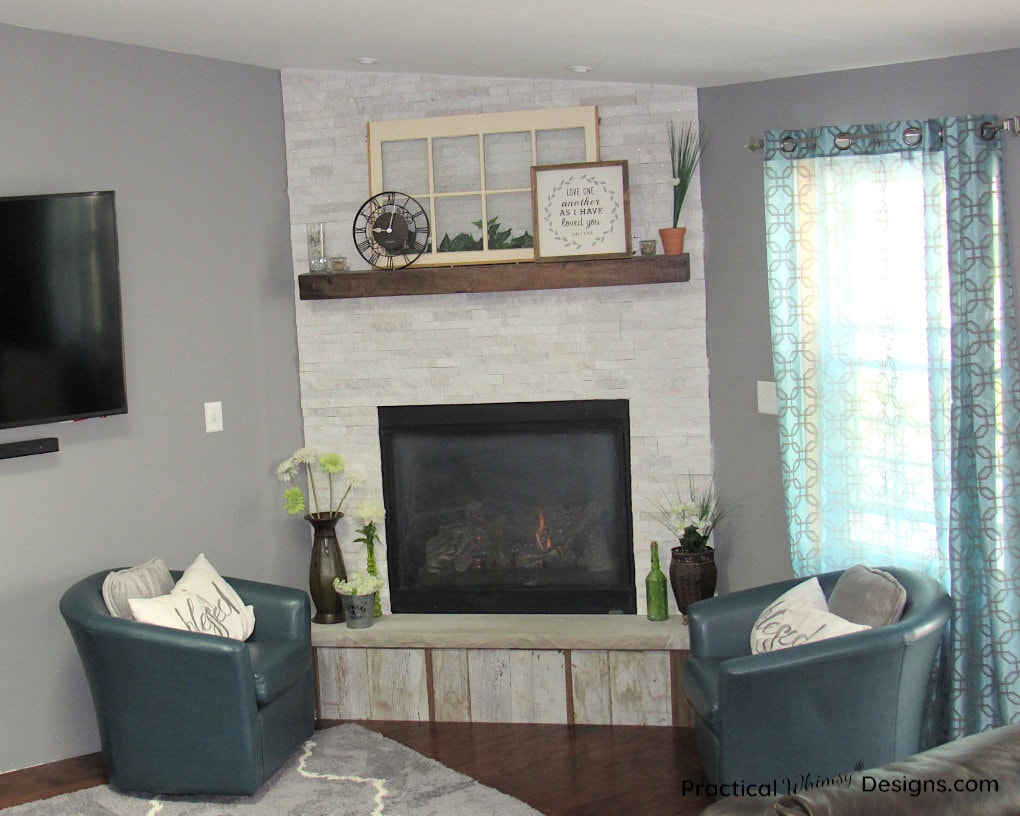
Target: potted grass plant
[(686, 145)]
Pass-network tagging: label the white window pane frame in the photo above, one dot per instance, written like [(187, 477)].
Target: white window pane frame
[(578, 125)]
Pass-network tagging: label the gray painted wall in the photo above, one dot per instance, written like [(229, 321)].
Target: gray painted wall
[(195, 151), (752, 543)]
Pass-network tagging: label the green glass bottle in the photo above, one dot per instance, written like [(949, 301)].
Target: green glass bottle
[(655, 589)]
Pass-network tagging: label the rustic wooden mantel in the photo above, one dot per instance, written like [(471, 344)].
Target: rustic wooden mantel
[(511, 277)]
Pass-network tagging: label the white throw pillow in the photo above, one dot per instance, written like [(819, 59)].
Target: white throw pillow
[(807, 592), (798, 616), (200, 602)]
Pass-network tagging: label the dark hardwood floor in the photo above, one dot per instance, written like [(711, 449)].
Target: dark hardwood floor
[(581, 770), (52, 779)]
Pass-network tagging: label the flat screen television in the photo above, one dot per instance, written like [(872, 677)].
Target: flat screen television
[(61, 338)]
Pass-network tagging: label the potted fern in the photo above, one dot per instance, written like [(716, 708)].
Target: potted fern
[(686, 144)]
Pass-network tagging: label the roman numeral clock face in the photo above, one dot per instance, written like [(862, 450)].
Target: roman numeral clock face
[(391, 230)]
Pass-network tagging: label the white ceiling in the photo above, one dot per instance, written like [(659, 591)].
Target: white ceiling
[(677, 42)]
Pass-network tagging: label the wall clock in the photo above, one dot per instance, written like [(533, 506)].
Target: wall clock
[(391, 230)]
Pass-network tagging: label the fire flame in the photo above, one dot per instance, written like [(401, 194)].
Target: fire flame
[(541, 534)]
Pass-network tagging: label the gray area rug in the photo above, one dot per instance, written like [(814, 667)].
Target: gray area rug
[(346, 770)]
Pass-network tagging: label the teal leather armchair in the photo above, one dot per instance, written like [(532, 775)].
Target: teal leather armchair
[(816, 710), (187, 713)]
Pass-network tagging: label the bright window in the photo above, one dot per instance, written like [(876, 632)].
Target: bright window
[(865, 383)]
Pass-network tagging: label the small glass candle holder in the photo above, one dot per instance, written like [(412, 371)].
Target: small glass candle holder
[(648, 246)]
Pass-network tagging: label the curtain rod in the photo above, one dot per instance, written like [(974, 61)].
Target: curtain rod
[(912, 136)]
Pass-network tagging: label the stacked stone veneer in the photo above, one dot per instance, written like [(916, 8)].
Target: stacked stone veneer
[(646, 344)]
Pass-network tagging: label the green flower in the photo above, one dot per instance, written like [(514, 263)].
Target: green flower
[(331, 463), (294, 500)]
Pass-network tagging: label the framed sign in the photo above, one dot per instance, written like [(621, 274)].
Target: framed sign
[(581, 210)]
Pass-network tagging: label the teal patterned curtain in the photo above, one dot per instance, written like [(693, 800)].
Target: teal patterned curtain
[(897, 372)]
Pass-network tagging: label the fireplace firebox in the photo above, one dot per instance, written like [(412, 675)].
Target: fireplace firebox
[(517, 507)]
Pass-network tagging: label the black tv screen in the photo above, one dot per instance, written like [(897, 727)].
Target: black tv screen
[(61, 339)]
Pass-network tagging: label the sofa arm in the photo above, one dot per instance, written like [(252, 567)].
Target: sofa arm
[(281, 613), (975, 774)]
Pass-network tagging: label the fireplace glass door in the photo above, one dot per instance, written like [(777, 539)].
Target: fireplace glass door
[(509, 507)]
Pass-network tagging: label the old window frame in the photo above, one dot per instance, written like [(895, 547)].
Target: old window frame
[(429, 129)]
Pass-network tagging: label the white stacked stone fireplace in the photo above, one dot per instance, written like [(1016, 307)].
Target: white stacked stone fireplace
[(645, 344)]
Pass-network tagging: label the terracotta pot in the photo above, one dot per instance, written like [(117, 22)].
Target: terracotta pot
[(673, 240)]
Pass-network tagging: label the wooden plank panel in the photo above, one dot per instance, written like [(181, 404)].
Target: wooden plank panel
[(640, 687), (326, 681), (343, 684), (683, 713), (489, 678), (397, 684), (590, 672), (451, 689), (538, 687), (503, 685)]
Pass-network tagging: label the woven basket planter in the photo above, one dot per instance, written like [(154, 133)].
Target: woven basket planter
[(692, 576)]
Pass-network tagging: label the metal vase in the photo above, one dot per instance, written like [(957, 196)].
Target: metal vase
[(326, 566)]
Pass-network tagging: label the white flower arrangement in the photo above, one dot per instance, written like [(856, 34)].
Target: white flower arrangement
[(691, 519), (329, 463), (359, 583)]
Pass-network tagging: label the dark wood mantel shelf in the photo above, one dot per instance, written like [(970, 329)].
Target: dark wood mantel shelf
[(510, 277)]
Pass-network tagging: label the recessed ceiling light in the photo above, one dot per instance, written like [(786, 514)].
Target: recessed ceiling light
[(366, 60), (579, 69)]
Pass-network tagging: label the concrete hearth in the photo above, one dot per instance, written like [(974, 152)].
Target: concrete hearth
[(616, 632)]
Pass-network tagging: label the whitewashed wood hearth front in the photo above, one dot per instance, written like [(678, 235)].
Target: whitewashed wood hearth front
[(573, 669)]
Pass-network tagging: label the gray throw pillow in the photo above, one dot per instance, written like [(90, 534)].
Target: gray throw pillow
[(869, 596), (148, 580)]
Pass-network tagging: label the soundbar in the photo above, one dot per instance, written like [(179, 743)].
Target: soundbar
[(30, 447)]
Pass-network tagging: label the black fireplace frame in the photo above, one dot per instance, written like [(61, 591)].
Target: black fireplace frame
[(611, 415)]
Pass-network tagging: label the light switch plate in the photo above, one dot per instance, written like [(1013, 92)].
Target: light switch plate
[(213, 417)]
